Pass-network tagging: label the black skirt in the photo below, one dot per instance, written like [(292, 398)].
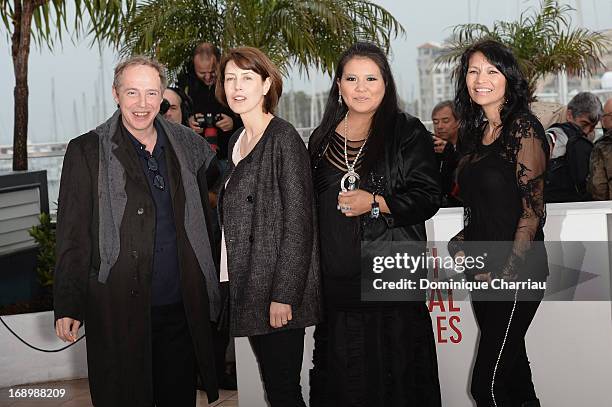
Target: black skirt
[(375, 357)]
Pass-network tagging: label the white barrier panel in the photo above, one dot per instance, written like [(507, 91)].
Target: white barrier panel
[(569, 343), (21, 364)]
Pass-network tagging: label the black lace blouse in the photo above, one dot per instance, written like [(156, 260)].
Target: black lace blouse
[(502, 187)]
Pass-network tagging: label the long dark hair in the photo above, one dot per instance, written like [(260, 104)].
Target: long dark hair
[(384, 117), (471, 115)]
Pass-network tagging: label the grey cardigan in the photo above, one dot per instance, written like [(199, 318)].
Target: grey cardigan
[(268, 216)]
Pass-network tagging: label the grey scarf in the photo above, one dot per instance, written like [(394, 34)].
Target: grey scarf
[(191, 152)]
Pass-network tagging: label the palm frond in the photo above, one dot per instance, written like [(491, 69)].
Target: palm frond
[(306, 34), (169, 30), (101, 20), (6, 13), (542, 40)]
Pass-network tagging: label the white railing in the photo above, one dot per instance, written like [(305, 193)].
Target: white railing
[(50, 161)]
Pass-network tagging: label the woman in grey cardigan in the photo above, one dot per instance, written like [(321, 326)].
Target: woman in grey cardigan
[(269, 252)]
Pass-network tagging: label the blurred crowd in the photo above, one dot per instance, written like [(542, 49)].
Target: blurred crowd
[(580, 161)]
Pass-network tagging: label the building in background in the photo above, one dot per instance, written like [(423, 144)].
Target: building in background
[(435, 79)]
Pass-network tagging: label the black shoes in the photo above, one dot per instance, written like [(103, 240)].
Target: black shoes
[(228, 381)]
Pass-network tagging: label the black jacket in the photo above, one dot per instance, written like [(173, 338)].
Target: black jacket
[(566, 177), (407, 177), (447, 164)]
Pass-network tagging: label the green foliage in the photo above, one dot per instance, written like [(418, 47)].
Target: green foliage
[(543, 41), (100, 19), (305, 33), (44, 235)]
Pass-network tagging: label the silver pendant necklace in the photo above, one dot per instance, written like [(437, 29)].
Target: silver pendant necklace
[(350, 180)]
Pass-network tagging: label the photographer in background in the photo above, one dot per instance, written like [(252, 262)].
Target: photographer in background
[(176, 106), (446, 129), (570, 150), (209, 118), (599, 181)]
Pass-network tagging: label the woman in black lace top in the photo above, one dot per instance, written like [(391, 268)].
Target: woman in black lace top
[(501, 181)]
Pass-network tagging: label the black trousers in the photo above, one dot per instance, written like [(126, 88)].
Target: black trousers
[(221, 336), (502, 373), (279, 355), (174, 360)]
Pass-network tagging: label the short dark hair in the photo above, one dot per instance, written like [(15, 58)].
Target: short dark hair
[(442, 105), (207, 49), (258, 62)]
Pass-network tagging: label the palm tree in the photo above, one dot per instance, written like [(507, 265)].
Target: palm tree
[(304, 33), (543, 42), (50, 23)]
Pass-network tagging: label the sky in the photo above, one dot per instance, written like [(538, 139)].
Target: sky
[(73, 70)]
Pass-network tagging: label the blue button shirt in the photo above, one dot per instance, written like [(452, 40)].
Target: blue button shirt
[(165, 284)]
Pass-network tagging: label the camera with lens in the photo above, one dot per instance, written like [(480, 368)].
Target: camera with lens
[(208, 120), (164, 107)]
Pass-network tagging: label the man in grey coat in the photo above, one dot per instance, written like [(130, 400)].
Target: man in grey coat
[(134, 260)]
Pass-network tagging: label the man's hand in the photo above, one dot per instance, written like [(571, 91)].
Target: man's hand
[(483, 277), (480, 276), (439, 144), (67, 329), (226, 123), (280, 314), (194, 124)]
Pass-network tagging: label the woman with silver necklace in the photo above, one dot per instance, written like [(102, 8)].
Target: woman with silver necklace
[(269, 250), (375, 179)]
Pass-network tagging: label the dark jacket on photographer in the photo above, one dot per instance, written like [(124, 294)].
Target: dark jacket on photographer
[(568, 168), (599, 183), (447, 164), (204, 101)]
